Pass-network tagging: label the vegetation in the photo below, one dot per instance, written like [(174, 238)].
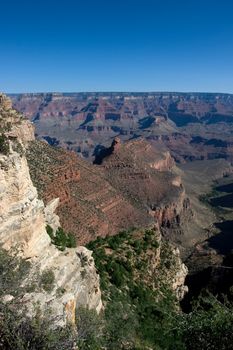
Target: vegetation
[(61, 239), (137, 298), (4, 144), (17, 147), (208, 326), (17, 333), (13, 271), (47, 279), (138, 314)]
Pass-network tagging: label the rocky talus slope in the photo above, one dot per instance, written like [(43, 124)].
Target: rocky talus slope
[(23, 228)]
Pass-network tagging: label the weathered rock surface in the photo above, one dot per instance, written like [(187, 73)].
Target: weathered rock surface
[(178, 280), (21, 213), (23, 220), (51, 218)]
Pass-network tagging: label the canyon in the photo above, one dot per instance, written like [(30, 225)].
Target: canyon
[(138, 207), (191, 126), (43, 188), (151, 156), (133, 187)]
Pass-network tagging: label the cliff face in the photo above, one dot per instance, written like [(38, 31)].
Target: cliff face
[(173, 213), (23, 219)]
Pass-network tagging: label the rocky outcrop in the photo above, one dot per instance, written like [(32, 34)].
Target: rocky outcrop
[(23, 219), (178, 279), (150, 261), (173, 213), (154, 158), (165, 163), (76, 283), (21, 213), (145, 175), (51, 218)]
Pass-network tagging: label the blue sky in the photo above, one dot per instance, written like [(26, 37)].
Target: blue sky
[(130, 45)]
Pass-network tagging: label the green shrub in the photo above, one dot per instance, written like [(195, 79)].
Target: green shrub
[(22, 333), (61, 239), (4, 145), (71, 241), (50, 231), (208, 326), (13, 270), (47, 279), (90, 329)]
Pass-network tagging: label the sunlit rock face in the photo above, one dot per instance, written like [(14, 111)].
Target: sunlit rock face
[(22, 214), (23, 220)]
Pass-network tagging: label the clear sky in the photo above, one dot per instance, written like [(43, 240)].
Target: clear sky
[(116, 45)]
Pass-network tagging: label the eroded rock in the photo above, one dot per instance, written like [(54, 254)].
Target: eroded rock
[(23, 219)]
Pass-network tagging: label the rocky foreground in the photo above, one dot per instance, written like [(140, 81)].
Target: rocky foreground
[(23, 229)]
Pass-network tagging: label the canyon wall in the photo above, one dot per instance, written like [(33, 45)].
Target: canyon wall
[(190, 125)]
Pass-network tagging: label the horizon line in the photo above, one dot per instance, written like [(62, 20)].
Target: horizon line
[(119, 92)]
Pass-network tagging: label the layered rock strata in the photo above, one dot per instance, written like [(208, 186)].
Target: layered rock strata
[(190, 125)]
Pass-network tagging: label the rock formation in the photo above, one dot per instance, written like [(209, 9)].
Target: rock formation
[(132, 185), (23, 219), (145, 175)]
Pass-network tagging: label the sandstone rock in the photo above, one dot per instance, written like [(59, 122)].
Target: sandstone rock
[(23, 132), (7, 298), (50, 217), (23, 227), (22, 223), (5, 102)]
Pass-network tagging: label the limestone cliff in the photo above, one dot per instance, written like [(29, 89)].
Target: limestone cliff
[(23, 219)]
